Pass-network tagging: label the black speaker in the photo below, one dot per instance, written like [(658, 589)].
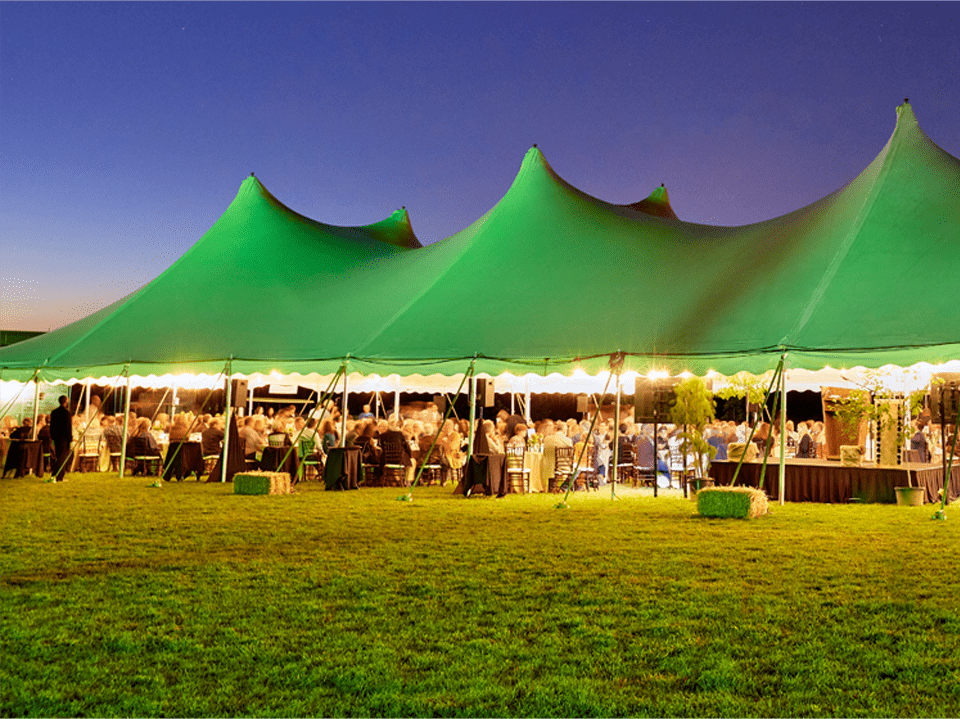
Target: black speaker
[(583, 403), (945, 386), (238, 393), (485, 392), (652, 399), (441, 402), (643, 400)]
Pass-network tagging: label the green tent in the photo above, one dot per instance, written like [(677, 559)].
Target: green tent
[(552, 279), (256, 279)]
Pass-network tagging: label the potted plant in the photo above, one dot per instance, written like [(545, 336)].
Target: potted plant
[(692, 408)]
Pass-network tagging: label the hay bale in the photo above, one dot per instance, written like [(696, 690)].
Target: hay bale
[(743, 502), (262, 483)]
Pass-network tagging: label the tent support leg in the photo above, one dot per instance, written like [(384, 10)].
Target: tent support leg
[(783, 428), (616, 441), (473, 417), (36, 406), (126, 424), (343, 411), (229, 417)]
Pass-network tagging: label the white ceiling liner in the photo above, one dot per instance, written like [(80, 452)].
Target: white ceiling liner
[(915, 377)]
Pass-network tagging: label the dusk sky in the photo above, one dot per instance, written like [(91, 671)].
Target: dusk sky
[(126, 129)]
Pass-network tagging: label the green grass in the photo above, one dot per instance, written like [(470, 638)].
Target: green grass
[(121, 599)]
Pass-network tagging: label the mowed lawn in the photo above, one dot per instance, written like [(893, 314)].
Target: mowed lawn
[(186, 600)]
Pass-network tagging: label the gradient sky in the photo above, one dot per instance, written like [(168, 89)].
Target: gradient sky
[(127, 128)]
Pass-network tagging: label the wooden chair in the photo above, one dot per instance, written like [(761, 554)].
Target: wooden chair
[(209, 462), (432, 467), (587, 472), (644, 464), (562, 468), (394, 470), (144, 462), (517, 474), (625, 461), (89, 456)]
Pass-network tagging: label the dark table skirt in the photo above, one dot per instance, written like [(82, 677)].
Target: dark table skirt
[(23, 457), (484, 472), (188, 460), (810, 480), (342, 468)]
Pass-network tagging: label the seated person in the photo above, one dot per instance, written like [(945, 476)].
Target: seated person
[(147, 442), (329, 435), (644, 449), (369, 450), (918, 442), (279, 437), (494, 445), (310, 434), (254, 442), (179, 429), (394, 437), (519, 438), (25, 431), (211, 439), (807, 447), (112, 433), (719, 443)]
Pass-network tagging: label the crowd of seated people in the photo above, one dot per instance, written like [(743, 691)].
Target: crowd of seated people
[(416, 430)]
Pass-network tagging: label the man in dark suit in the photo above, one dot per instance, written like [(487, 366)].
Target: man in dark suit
[(61, 432)]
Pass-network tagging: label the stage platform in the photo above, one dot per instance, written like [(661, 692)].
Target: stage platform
[(814, 480)]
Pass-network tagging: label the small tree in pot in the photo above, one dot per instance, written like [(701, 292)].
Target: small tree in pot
[(692, 409)]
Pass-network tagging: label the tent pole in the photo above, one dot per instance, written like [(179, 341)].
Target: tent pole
[(512, 399), (228, 411), (126, 424), (783, 428), (36, 406), (396, 403), (616, 441), (473, 416), (343, 412), (173, 406), (86, 397), (526, 409), (250, 403)]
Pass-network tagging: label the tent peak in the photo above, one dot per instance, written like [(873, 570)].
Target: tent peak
[(657, 204), (905, 114)]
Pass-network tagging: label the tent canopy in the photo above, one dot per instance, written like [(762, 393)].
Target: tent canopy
[(552, 279)]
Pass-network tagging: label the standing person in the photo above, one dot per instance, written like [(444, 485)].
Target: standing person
[(61, 432)]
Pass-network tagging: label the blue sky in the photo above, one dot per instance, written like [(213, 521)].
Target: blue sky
[(127, 128)]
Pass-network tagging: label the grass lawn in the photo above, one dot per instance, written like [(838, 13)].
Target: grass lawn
[(121, 599)]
